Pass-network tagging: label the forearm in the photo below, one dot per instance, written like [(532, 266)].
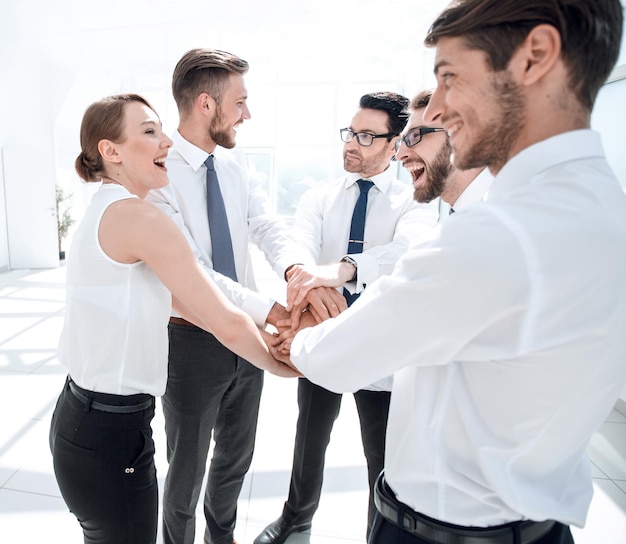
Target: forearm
[(236, 331), (240, 334)]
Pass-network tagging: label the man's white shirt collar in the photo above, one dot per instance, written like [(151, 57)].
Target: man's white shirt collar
[(192, 154), (382, 181)]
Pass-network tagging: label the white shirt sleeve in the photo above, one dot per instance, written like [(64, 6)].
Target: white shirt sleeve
[(270, 232), (414, 224), (424, 313), (255, 304)]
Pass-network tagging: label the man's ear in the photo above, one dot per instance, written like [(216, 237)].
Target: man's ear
[(109, 152), (538, 54), (205, 104)]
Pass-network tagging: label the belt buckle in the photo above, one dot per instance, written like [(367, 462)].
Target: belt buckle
[(409, 523)]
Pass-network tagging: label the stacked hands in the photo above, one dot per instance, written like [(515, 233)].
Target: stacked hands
[(312, 297)]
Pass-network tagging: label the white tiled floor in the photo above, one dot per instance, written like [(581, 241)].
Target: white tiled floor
[(31, 510)]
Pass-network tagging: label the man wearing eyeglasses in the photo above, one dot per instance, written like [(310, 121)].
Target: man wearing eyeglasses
[(430, 162), (394, 222)]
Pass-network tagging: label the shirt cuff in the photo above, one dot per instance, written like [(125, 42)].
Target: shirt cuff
[(366, 272), (258, 306)]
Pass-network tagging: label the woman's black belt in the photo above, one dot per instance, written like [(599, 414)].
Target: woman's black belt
[(87, 398)]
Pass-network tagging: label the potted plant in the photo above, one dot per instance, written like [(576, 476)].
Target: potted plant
[(64, 219)]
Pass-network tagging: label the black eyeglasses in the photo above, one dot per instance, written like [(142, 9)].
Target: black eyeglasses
[(414, 136), (363, 138)]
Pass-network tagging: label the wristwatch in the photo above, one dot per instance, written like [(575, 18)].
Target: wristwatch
[(350, 260)]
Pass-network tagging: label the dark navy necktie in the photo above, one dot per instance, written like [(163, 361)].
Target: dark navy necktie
[(357, 229), (223, 260)]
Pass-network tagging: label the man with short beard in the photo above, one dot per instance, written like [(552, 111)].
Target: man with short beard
[(209, 388), (426, 154), (505, 331)]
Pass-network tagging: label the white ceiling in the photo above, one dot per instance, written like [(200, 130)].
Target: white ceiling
[(87, 49), (151, 30), (98, 48)]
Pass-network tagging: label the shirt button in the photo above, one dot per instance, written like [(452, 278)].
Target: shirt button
[(129, 470)]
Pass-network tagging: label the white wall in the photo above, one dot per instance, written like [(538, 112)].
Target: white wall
[(4, 248), (609, 117), (5, 40), (27, 109)]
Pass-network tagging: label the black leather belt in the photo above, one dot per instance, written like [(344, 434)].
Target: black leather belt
[(445, 533), (79, 393)]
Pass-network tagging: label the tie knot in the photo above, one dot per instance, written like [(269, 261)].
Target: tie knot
[(365, 185), (209, 163)]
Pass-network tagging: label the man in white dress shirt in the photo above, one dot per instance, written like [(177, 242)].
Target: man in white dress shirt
[(394, 222), (505, 332), (426, 154), (210, 390)]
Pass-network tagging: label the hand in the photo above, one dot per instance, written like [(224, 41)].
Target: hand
[(302, 279), (278, 313), (284, 359), (322, 302), (283, 366), (305, 320), (271, 339), (286, 338)]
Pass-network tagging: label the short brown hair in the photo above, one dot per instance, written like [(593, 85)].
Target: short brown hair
[(103, 120), (590, 33), (421, 100), (203, 71)]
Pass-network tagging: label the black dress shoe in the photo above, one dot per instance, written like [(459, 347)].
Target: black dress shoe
[(278, 531)]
